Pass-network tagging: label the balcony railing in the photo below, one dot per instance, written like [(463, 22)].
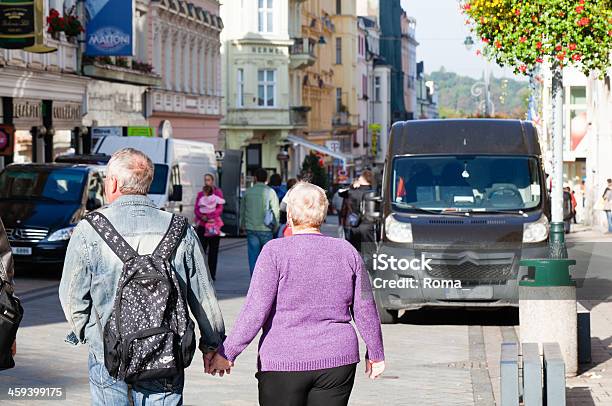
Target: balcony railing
[(302, 52), (62, 60), (299, 116), (121, 70)]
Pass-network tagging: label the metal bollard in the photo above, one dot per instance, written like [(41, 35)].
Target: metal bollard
[(554, 375), (509, 374), (532, 375)]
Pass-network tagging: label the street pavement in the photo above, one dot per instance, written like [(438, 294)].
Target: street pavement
[(434, 357)]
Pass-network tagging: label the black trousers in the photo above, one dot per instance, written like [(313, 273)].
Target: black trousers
[(211, 249), (324, 387)]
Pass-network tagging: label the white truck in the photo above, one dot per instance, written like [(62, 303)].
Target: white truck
[(180, 166)]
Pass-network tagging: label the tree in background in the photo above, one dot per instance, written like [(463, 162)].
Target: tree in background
[(313, 171), (526, 33)]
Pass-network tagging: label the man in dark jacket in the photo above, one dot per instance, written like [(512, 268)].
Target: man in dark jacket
[(7, 269)]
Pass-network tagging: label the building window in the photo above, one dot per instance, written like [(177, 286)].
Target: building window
[(240, 84), (364, 86), (266, 88), (265, 16), (338, 7), (578, 95), (377, 88), (338, 50), (338, 99)]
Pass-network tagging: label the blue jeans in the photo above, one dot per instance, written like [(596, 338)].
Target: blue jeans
[(609, 217), (255, 242), (107, 391)]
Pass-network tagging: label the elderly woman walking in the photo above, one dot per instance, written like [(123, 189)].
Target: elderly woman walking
[(304, 292)]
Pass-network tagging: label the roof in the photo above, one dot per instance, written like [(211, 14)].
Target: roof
[(464, 136)]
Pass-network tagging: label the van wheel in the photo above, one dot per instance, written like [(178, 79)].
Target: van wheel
[(387, 316)]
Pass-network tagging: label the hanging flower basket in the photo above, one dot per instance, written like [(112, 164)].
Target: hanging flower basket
[(69, 24)]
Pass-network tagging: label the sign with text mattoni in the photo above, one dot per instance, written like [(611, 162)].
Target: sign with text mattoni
[(110, 31)]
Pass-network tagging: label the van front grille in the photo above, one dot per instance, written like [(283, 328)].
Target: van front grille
[(26, 234)]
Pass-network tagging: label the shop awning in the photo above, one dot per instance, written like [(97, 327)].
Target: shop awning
[(346, 159)]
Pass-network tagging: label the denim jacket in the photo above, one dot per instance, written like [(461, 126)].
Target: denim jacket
[(91, 272)]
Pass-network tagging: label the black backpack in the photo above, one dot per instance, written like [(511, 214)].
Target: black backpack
[(149, 334), (11, 314)]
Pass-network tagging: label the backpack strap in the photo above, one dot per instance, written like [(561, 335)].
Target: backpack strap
[(111, 236), (172, 238)]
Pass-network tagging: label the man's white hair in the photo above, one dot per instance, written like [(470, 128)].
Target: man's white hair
[(307, 205), (133, 170)]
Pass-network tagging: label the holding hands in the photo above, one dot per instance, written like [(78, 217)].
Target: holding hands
[(214, 363)]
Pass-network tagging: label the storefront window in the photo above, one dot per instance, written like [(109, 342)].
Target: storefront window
[(23, 147), (62, 143)]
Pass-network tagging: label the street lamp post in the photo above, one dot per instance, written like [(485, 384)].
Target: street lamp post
[(486, 105)]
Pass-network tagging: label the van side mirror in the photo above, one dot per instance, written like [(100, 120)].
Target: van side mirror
[(372, 206), (177, 193), (93, 204)]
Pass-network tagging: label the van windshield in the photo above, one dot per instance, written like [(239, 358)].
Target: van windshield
[(460, 182), (62, 185)]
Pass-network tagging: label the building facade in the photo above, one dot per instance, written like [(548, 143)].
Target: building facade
[(43, 97), (183, 46), (409, 63), (255, 53)]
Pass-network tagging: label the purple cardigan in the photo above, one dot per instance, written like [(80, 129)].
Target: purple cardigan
[(302, 293)]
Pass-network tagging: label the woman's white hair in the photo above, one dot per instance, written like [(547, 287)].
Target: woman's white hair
[(307, 205), (133, 170)]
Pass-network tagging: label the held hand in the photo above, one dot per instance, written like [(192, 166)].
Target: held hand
[(374, 368), (221, 365), (14, 348), (207, 360)]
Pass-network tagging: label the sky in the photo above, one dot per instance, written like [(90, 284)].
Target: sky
[(440, 31)]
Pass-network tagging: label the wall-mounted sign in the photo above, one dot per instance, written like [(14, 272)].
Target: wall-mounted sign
[(109, 27), (17, 28), (27, 113), (66, 115), (7, 134), (99, 132), (141, 132)]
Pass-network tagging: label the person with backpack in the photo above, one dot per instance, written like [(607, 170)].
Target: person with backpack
[(259, 215), (132, 273)]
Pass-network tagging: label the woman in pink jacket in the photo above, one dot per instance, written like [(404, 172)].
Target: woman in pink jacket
[(210, 237)]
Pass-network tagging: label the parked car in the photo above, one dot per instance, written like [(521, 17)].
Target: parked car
[(40, 204)]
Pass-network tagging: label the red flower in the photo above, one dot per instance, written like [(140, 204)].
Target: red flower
[(517, 12), (522, 68), (539, 45), (561, 56), (558, 48), (580, 9), (498, 45), (478, 53), (576, 57), (610, 32), (583, 21), (467, 6), (485, 40), (539, 60), (522, 40), (581, 1), (572, 46)]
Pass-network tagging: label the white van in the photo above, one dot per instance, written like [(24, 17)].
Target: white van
[(180, 166)]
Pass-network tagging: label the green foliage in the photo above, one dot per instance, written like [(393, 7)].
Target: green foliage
[(526, 33), (313, 171), (456, 101)]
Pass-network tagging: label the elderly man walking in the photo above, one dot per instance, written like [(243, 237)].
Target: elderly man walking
[(130, 273)]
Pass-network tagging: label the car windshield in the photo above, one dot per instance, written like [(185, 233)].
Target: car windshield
[(160, 177), (467, 183), (55, 184)]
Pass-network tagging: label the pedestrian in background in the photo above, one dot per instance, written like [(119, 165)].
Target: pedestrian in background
[(360, 229), (567, 209), (93, 270), (283, 211), (574, 206), (276, 183), (210, 237), (7, 273), (607, 206), (259, 214), (304, 293)]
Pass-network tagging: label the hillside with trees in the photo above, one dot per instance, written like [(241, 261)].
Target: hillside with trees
[(455, 98)]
